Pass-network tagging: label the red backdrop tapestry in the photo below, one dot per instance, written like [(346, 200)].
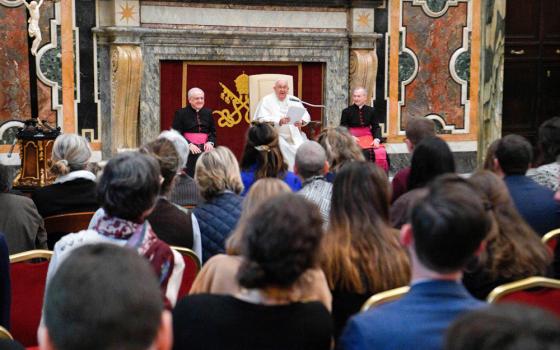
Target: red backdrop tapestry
[(226, 95)]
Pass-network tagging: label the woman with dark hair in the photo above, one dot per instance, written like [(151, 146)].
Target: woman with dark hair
[(128, 190), (262, 158), (549, 147), (173, 224), (513, 251), (278, 246), (431, 157), (361, 252)]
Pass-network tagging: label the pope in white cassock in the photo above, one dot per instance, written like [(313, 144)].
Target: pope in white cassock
[(274, 108)]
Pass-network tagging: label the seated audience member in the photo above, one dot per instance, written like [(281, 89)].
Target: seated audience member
[(361, 252), (127, 191), (262, 158), (534, 202), (340, 148), (19, 220), (184, 190), (416, 130), (549, 146), (218, 275), (217, 176), (490, 156), (5, 286), (505, 327), (171, 223), (278, 246), (73, 190), (513, 251), (431, 157), (312, 166), (104, 297), (446, 229)]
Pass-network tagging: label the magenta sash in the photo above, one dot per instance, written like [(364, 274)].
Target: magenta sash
[(360, 131), (197, 138)]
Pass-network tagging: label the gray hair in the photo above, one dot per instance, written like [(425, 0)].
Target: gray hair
[(359, 88), (310, 159), (192, 91), (70, 152), (181, 145)]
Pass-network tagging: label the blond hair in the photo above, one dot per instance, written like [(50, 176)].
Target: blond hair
[(339, 146), (261, 191), (217, 171)]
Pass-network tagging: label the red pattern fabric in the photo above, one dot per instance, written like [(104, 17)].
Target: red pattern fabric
[(189, 274), (28, 289)]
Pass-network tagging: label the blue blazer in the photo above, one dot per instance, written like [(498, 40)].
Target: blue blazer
[(416, 321), (534, 202), (248, 178)]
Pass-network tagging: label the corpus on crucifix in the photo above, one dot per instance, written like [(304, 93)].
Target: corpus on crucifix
[(33, 29)]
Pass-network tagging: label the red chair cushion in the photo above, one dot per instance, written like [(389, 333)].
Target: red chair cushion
[(544, 298), (28, 288), (191, 270)]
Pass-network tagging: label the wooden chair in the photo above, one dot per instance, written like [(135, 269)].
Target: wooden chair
[(551, 239), (192, 267), (4, 334), (29, 274), (540, 292), (384, 297), (60, 225)]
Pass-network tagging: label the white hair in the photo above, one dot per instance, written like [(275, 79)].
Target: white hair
[(280, 80), (192, 91), (73, 149), (359, 88), (181, 145)]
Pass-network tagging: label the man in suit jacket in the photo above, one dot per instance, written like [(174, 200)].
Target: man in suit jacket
[(196, 124), (533, 201), (444, 231)]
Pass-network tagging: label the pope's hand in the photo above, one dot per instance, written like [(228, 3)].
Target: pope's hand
[(298, 124), (284, 120)]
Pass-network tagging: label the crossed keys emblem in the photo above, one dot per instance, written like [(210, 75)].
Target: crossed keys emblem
[(239, 103)]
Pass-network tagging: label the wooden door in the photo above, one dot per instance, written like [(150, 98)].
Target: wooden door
[(532, 66)]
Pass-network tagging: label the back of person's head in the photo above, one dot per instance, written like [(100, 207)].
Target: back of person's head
[(449, 224), (513, 250), (490, 156), (339, 146), (129, 185), (70, 152), (262, 149), (360, 249), (431, 157), (166, 154), (4, 179), (180, 143), (310, 160), (103, 297), (281, 241), (261, 192), (505, 327), (549, 140), (418, 129), (514, 154), (217, 171)]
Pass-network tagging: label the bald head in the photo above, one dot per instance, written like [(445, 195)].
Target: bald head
[(311, 160)]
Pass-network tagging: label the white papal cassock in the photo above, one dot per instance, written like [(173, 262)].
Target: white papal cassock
[(271, 109)]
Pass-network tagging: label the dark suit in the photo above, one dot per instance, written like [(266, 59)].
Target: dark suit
[(72, 196), (416, 321), (534, 202), (189, 120), (5, 289), (21, 224), (354, 117)]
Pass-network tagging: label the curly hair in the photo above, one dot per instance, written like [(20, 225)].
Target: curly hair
[(280, 242), (339, 146), (217, 171)]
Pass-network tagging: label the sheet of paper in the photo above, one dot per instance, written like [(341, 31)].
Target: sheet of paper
[(295, 113)]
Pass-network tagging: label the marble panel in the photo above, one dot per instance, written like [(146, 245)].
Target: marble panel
[(363, 20), (465, 162), (127, 13), (14, 64), (217, 45), (434, 40), (201, 16)]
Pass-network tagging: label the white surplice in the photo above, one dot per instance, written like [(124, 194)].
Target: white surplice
[(271, 109)]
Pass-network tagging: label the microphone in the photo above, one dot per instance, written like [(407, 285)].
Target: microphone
[(295, 99)]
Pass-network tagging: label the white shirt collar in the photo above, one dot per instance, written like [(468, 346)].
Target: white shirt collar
[(78, 174)]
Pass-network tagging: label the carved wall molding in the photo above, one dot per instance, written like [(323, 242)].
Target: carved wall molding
[(126, 79), (363, 71)]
